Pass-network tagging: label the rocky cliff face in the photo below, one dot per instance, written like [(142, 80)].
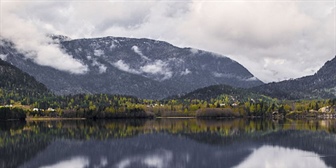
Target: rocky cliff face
[(140, 67)]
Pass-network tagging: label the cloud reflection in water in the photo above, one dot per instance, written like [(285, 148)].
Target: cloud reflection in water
[(159, 159), (280, 157), (75, 162)]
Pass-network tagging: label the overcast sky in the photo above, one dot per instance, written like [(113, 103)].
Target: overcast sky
[(274, 40)]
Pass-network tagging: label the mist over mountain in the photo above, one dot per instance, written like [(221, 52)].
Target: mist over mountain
[(320, 85), (139, 67)]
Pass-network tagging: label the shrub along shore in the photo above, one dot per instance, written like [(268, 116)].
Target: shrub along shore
[(7, 113), (104, 106)]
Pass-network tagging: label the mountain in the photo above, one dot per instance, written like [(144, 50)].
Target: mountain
[(210, 92), (320, 85), (222, 92), (18, 85), (139, 67)]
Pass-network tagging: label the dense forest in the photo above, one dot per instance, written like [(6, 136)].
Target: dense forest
[(117, 106), (21, 96), (16, 85)]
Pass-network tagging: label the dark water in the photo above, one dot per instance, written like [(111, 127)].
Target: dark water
[(168, 143)]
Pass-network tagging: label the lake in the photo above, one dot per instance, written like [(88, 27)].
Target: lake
[(168, 143)]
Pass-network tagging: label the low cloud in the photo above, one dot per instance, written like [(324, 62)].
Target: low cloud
[(194, 51), (225, 75), (138, 51), (121, 65), (101, 67), (256, 34), (3, 57), (98, 53), (186, 72), (260, 33), (158, 68), (34, 44), (252, 79)]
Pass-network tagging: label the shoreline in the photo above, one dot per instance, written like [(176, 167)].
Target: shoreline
[(175, 117), (297, 116), (51, 119)]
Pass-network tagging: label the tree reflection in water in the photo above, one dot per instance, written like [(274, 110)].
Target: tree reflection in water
[(167, 143)]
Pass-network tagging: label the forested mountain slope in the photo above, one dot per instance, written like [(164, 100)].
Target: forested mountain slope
[(320, 85), (18, 85), (139, 67)]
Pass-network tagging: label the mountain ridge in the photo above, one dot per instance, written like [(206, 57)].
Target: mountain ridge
[(142, 67), (320, 85)]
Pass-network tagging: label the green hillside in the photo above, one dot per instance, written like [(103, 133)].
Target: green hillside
[(16, 85)]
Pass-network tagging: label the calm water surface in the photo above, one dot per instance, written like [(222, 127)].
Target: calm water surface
[(168, 143)]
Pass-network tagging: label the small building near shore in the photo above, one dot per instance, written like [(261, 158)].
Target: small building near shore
[(50, 109), (325, 109)]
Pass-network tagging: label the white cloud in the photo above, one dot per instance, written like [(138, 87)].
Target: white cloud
[(154, 68), (228, 75), (250, 31), (31, 40), (101, 67), (138, 51), (98, 53), (302, 33), (252, 79), (121, 65), (112, 46), (3, 57), (186, 72), (194, 51), (158, 68), (225, 75)]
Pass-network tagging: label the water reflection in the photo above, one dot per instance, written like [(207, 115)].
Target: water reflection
[(76, 162), (278, 157), (168, 143), (159, 159)]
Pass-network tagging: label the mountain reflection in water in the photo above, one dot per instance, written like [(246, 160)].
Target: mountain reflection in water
[(168, 143)]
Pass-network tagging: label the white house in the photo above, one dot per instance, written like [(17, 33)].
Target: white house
[(51, 109), (324, 109)]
